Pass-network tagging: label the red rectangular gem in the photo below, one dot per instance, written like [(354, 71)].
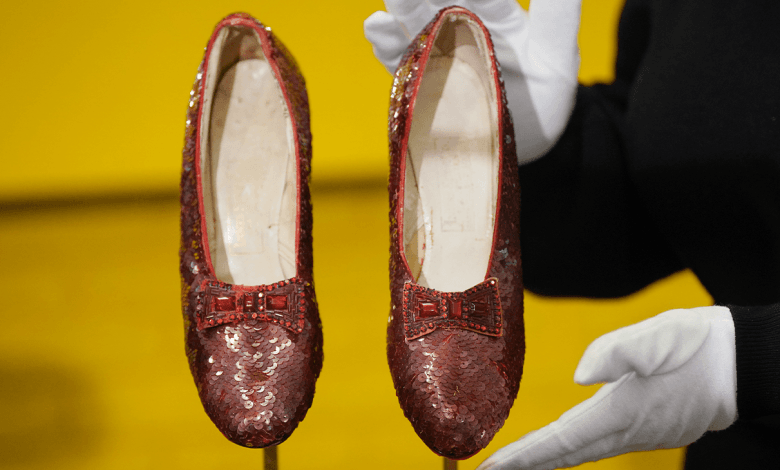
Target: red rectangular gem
[(225, 304), (248, 302), (456, 309), (479, 309), (428, 309), (276, 302)]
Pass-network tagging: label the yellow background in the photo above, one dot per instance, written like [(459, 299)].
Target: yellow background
[(92, 367)]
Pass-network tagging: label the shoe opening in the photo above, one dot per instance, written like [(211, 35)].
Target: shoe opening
[(248, 164), (452, 161)]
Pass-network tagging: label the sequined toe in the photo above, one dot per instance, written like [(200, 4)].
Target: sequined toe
[(258, 382), (454, 391)]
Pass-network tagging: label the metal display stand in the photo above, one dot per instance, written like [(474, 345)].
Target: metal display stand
[(270, 458)]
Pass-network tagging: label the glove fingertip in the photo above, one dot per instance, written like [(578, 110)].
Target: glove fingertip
[(584, 375), (591, 360), (378, 21), (597, 364)]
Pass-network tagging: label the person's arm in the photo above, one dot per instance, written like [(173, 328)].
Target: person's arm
[(584, 230), (757, 335)]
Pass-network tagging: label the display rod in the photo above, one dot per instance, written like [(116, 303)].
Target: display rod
[(450, 464), (271, 458)]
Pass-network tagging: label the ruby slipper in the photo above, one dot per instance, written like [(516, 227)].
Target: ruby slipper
[(455, 337), (253, 333)]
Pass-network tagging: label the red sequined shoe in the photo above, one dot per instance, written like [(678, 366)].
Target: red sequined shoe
[(253, 333), (456, 340)]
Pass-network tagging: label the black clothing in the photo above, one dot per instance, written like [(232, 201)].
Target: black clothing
[(677, 165)]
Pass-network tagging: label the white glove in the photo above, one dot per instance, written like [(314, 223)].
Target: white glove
[(670, 379), (537, 51)]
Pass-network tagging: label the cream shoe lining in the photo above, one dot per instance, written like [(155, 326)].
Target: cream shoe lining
[(451, 178), (247, 164)]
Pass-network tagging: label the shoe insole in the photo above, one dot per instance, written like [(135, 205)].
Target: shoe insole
[(252, 172), (451, 177)]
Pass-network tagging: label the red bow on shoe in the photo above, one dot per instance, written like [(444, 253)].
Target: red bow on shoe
[(283, 303), (477, 309)]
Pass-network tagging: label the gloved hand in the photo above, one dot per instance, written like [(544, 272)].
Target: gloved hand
[(537, 51), (669, 379)]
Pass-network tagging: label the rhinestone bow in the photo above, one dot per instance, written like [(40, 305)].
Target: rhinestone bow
[(282, 303), (477, 309)]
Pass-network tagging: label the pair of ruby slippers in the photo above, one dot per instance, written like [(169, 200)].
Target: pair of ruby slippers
[(253, 333)]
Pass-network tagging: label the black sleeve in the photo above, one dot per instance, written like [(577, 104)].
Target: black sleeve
[(584, 231), (757, 334)]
